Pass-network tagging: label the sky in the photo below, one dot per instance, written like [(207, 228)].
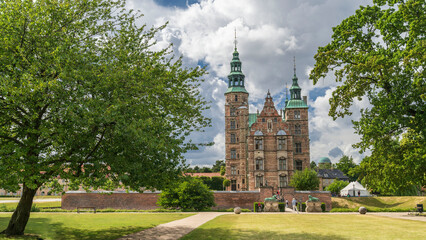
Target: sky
[(269, 34)]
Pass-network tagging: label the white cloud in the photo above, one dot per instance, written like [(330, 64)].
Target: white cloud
[(269, 34)]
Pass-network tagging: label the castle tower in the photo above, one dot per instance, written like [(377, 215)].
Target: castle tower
[(296, 116), (236, 126)]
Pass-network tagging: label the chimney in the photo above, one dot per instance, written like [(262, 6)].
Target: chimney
[(305, 99)]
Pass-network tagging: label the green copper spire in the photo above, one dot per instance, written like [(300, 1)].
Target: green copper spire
[(236, 77), (295, 89), (295, 93)]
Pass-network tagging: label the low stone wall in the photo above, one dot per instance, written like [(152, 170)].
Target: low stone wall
[(148, 201), (245, 199)]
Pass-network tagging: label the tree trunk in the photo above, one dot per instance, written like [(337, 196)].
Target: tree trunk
[(22, 213)]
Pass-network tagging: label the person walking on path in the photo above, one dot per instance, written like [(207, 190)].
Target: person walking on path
[(294, 204)]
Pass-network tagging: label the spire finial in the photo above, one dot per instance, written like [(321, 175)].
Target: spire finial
[(294, 62), (235, 41)]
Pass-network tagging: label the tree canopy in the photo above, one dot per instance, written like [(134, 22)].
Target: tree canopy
[(84, 96), (379, 54), (305, 180)]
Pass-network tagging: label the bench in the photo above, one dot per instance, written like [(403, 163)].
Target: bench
[(78, 209)]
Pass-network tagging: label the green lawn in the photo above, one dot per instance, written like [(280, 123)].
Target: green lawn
[(88, 226), (39, 205), (308, 226), (378, 202)]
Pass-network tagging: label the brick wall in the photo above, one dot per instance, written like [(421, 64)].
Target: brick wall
[(147, 201)]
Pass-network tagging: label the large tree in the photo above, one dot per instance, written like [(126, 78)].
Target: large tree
[(379, 54), (305, 180), (84, 96)]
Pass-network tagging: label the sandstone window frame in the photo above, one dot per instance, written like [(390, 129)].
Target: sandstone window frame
[(298, 165), (258, 164), (233, 138), (258, 143), (233, 153), (298, 147), (232, 111), (282, 163), (259, 181), (232, 124), (269, 123), (281, 143), (282, 180), (236, 98), (233, 170)]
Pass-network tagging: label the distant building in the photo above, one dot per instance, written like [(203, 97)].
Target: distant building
[(327, 176)]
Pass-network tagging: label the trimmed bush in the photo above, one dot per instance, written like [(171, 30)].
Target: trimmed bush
[(323, 207), (281, 206), (256, 206)]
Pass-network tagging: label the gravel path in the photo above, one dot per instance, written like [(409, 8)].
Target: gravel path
[(175, 229)]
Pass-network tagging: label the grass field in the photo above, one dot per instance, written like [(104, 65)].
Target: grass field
[(378, 202), (308, 226), (88, 226), (40, 205)]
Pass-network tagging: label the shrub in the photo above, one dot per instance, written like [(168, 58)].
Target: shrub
[(190, 194), (281, 206), (303, 206), (256, 206), (323, 207), (34, 208), (336, 186)]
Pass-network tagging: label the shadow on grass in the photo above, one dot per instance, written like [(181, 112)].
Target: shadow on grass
[(373, 202), (219, 233), (43, 228)]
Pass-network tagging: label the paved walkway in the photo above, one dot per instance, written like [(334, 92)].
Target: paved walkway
[(175, 229)]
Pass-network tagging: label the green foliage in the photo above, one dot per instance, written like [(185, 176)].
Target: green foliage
[(325, 166), (226, 183), (213, 183), (379, 55), (222, 170), (189, 194), (399, 168), (81, 88), (323, 207), (256, 207), (305, 180), (347, 165), (303, 206), (336, 186), (313, 165), (217, 166), (281, 206)]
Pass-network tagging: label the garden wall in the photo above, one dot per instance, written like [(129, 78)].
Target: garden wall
[(147, 201)]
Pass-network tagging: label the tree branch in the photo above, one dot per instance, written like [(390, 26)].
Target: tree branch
[(12, 139)]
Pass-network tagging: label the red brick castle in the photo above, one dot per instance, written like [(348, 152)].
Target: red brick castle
[(266, 148)]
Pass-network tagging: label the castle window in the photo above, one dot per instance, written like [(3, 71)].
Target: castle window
[(263, 120), (275, 120), (283, 181), (259, 164), (258, 144), (297, 129), (243, 181), (233, 139), (281, 144), (232, 124), (297, 114), (233, 154), (233, 170), (259, 181), (299, 166), (232, 111), (298, 147), (269, 125), (282, 164), (236, 98)]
